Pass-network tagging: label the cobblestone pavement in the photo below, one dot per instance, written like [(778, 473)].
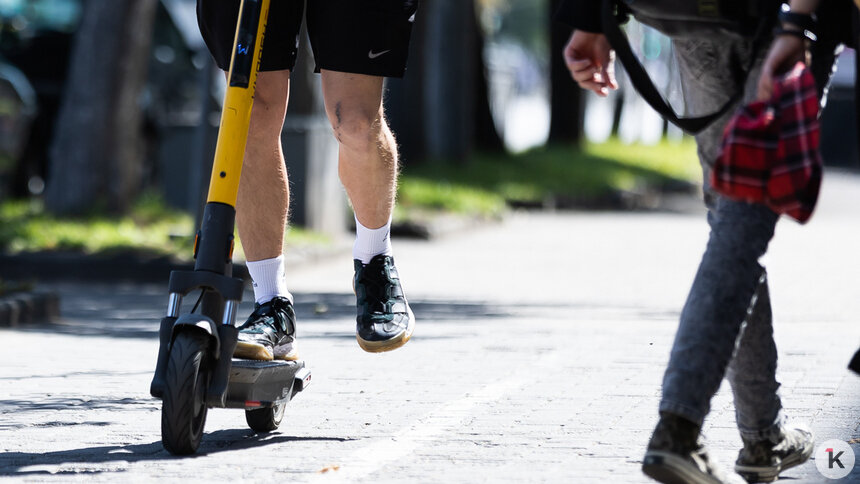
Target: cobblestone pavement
[(538, 356)]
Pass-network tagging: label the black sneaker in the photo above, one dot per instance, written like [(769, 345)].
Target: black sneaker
[(855, 363), (384, 320), (762, 461), (676, 455), (269, 333)]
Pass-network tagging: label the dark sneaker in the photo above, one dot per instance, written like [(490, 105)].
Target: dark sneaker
[(269, 333), (676, 455), (384, 320), (762, 461), (855, 363)]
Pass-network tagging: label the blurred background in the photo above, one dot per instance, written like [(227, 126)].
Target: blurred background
[(109, 113)]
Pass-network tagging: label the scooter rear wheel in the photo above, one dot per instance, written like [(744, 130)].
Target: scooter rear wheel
[(265, 419), (183, 413)]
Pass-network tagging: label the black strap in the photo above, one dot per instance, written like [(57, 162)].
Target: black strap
[(803, 20), (642, 81), (800, 34)]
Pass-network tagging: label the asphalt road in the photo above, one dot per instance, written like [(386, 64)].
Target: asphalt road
[(538, 356)]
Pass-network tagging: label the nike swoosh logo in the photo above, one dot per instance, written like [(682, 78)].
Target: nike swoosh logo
[(374, 55)]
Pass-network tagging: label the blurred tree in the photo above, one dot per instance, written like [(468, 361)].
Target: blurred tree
[(487, 137), (96, 152), (404, 98), (566, 100), (441, 109), (522, 20), (455, 88)]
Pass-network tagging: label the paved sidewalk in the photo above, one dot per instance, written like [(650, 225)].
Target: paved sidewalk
[(538, 357)]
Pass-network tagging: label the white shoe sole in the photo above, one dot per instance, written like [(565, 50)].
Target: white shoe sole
[(771, 473), (669, 468)]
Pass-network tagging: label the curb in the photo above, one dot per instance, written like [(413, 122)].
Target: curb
[(28, 308), (128, 266), (35, 307), (671, 197), (438, 226), (74, 266)]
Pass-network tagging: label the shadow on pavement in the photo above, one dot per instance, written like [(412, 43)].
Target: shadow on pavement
[(58, 403), (20, 463), (126, 314), (135, 310)]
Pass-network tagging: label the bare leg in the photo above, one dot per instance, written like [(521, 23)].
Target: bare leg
[(261, 215), (368, 152), (368, 171), (264, 197)]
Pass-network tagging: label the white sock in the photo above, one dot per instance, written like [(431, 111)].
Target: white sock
[(371, 242), (268, 279)]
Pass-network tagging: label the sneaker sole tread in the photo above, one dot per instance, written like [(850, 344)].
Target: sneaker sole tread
[(668, 468)]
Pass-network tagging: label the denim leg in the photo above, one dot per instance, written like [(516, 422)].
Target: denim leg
[(740, 232), (752, 372), (711, 338), (716, 306)]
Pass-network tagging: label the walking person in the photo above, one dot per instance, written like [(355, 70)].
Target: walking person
[(355, 46), (726, 323)]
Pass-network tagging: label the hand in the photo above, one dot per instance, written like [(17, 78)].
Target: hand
[(784, 53), (591, 62)]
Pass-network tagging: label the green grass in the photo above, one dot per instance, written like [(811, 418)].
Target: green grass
[(294, 238), (150, 226), (673, 159), (482, 185), (425, 194)]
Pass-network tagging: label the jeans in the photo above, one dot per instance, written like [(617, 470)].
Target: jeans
[(726, 326)]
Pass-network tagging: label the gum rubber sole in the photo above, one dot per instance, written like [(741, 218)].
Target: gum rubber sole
[(390, 344), (383, 346), (254, 351)]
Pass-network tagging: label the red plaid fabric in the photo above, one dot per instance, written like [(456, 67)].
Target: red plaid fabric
[(770, 149)]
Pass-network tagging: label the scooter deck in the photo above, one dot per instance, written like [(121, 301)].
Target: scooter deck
[(259, 384)]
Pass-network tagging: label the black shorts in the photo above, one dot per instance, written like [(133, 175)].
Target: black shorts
[(357, 36)]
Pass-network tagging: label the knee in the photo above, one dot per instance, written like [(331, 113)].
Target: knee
[(270, 102), (356, 129), (265, 103), (743, 226)]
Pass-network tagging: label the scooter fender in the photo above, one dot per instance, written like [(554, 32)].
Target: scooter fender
[(199, 322)]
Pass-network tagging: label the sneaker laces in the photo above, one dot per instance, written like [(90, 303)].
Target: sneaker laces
[(255, 320), (376, 290), (261, 314), (792, 439)]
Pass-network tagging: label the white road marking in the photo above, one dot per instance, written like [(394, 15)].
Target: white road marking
[(369, 459)]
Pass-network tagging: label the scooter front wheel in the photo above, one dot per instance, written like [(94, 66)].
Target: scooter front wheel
[(265, 419), (183, 413)]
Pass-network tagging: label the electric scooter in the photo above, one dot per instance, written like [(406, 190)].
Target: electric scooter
[(195, 369)]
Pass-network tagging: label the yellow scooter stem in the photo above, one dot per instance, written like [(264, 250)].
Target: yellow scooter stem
[(238, 101), (213, 247)]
